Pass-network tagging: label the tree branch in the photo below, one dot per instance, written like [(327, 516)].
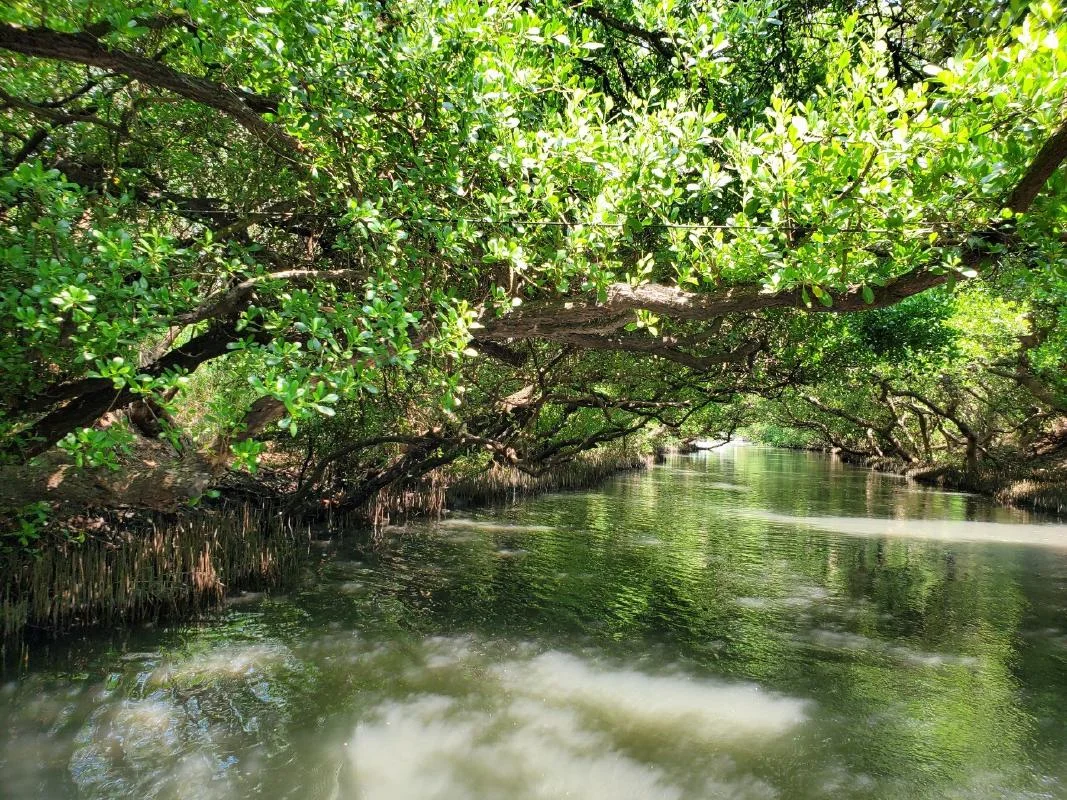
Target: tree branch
[(1045, 163), (658, 40), (227, 302), (582, 322), (56, 116), (664, 347), (94, 397), (559, 320), (244, 108)]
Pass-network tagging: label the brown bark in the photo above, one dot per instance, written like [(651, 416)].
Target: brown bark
[(93, 397), (657, 40), (1045, 163), (157, 485), (971, 437), (244, 108), (228, 302), (559, 320), (664, 347), (56, 116)]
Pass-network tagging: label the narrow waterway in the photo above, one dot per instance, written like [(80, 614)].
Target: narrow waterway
[(744, 624)]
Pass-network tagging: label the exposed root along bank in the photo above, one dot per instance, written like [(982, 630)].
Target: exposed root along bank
[(137, 566), (500, 483), (160, 566), (1040, 489), (439, 489), (1039, 485)]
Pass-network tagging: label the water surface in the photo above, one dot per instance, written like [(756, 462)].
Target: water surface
[(745, 624)]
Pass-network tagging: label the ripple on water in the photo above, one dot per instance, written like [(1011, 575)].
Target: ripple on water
[(857, 643)]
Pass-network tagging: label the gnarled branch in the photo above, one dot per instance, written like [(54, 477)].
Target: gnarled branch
[(244, 108)]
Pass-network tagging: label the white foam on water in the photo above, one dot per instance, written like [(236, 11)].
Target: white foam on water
[(647, 541), (755, 602), (144, 720), (431, 748), (553, 726), (448, 651), (945, 530), (490, 525), (843, 640), (801, 597), (225, 661), (690, 707)]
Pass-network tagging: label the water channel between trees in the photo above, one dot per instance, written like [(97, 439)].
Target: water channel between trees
[(744, 624)]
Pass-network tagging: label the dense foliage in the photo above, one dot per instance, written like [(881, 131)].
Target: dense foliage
[(391, 235)]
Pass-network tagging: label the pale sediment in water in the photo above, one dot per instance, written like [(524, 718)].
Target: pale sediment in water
[(705, 710), (564, 726), (858, 644), (802, 596), (469, 523), (1035, 534)]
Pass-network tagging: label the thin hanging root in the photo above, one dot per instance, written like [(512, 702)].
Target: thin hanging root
[(173, 566), (437, 489), (503, 483)]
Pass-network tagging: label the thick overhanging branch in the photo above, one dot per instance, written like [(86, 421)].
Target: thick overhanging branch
[(244, 108), (225, 304), (595, 325), (666, 347), (504, 354), (591, 321), (94, 397), (1045, 163), (228, 302), (556, 453), (157, 22)]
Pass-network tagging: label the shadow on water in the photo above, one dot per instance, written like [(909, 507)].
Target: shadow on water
[(747, 623)]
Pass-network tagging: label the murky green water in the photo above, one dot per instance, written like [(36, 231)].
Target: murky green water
[(744, 625)]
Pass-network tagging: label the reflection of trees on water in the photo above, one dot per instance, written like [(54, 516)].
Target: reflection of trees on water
[(926, 667), (918, 657)]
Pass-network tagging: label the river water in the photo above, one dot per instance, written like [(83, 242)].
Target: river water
[(745, 624)]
